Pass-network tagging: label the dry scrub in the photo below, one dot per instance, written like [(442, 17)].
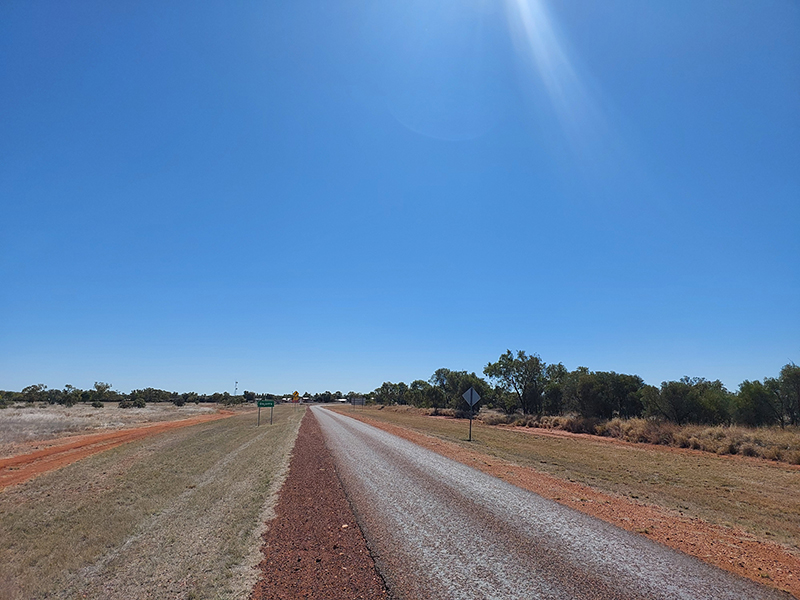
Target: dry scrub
[(772, 443), (177, 515)]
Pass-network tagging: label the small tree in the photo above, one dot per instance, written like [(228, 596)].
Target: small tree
[(34, 393), (789, 389), (523, 375), (100, 392), (755, 404)]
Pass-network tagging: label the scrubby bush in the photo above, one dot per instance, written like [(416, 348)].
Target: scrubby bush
[(581, 424), (748, 450), (97, 404), (493, 418), (773, 443), (773, 453)]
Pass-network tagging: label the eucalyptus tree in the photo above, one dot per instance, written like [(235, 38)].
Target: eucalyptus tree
[(525, 376)]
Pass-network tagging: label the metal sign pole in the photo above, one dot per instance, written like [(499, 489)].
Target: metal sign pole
[(266, 404)]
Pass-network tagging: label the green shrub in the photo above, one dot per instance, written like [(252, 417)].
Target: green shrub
[(139, 403), (126, 404), (97, 404)]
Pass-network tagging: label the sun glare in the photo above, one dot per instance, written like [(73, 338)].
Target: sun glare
[(538, 40)]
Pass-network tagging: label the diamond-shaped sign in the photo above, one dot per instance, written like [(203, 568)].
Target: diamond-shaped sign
[(471, 396)]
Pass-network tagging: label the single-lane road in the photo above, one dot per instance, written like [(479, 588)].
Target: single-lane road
[(439, 529)]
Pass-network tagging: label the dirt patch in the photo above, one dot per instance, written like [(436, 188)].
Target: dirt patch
[(314, 548), (723, 547), (59, 453)]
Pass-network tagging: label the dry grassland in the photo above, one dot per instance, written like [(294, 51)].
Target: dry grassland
[(758, 496), (177, 515), (773, 443), (23, 424)]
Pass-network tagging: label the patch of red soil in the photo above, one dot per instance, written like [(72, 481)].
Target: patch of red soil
[(22, 467), (314, 548), (724, 547)]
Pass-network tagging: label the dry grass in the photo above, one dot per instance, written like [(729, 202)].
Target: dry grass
[(176, 515), (759, 496), (22, 423), (772, 443)]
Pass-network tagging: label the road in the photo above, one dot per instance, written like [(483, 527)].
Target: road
[(439, 529)]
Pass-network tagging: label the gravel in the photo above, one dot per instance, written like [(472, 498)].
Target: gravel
[(314, 547)]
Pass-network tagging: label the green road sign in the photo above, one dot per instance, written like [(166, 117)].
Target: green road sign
[(266, 403)]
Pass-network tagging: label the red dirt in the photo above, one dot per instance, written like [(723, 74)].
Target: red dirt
[(724, 547), (314, 548), (22, 467)]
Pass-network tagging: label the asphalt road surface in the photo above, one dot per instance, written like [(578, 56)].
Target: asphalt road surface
[(439, 529)]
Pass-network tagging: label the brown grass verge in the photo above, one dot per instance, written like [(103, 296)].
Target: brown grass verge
[(773, 443), (173, 515), (16, 469), (731, 512)]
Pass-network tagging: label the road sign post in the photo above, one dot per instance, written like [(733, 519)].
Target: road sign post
[(472, 397), (265, 404)]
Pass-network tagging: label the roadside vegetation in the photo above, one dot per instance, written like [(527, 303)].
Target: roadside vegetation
[(762, 418), (179, 512), (781, 444), (772, 443)]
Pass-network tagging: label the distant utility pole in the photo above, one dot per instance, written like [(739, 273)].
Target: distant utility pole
[(235, 387)]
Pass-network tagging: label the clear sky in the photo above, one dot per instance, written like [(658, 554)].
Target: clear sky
[(311, 195)]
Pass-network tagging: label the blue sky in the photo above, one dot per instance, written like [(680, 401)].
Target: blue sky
[(314, 195)]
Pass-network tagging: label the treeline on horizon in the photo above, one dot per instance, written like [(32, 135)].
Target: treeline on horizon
[(101, 393), (522, 383), (515, 384)]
